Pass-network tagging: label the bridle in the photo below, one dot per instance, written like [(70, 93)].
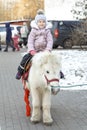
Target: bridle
[(51, 80), (53, 87)]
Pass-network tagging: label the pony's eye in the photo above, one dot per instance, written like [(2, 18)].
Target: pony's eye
[(47, 71)]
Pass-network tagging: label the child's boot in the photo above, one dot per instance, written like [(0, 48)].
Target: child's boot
[(18, 75)]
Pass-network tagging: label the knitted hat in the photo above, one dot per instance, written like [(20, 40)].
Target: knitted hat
[(40, 16)]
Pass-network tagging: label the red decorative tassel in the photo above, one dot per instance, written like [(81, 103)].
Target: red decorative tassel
[(26, 96), (26, 93)]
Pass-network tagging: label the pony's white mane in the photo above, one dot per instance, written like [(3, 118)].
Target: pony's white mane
[(44, 57)]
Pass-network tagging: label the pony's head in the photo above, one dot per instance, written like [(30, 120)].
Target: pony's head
[(48, 67)]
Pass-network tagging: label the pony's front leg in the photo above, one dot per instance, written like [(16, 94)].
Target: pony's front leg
[(47, 119), (36, 112)]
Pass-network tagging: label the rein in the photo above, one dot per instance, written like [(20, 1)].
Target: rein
[(68, 86), (51, 80)]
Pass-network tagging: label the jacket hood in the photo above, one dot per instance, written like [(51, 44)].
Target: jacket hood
[(34, 25)]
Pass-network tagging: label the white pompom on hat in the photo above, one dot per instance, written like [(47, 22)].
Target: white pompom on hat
[(40, 16)]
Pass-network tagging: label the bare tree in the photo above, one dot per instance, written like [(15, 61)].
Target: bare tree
[(79, 10), (79, 35)]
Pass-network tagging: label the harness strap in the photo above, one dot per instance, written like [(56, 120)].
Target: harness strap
[(51, 80)]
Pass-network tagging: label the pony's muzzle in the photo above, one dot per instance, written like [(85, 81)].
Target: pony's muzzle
[(54, 90)]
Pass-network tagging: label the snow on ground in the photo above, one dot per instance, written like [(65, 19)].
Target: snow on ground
[(74, 67)]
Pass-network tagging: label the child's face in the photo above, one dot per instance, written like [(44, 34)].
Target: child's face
[(41, 24)]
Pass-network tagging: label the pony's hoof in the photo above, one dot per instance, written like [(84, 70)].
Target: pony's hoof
[(48, 123), (35, 121)]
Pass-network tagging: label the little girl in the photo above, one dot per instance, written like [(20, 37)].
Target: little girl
[(15, 40), (40, 39)]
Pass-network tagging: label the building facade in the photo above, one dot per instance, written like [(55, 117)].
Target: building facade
[(19, 9)]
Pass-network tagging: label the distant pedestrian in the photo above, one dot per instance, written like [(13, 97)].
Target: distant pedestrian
[(9, 38), (15, 40), (0, 44), (0, 47), (24, 33), (20, 41)]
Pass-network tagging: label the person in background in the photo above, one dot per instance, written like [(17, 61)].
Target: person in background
[(0, 43), (40, 39), (24, 33), (16, 42), (0, 47), (9, 38), (20, 41)]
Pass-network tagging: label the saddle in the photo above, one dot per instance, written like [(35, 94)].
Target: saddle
[(26, 70)]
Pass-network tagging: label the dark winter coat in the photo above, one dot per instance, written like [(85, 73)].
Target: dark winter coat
[(8, 32)]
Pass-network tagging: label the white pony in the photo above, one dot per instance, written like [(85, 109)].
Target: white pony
[(43, 80)]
